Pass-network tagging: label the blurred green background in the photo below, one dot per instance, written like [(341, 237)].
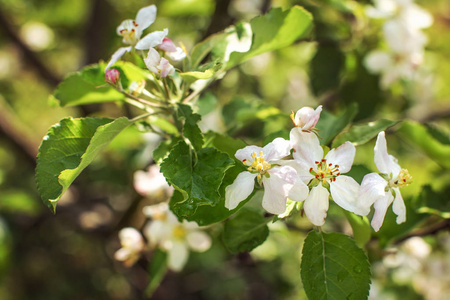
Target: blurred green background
[(70, 255)]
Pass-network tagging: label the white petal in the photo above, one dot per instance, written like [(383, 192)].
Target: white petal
[(131, 238), (277, 149), (276, 189), (177, 55), (372, 189), (402, 39), (381, 206), (302, 170), (118, 54), (145, 17), (342, 156), (152, 60), (385, 163), (299, 191), (316, 205), (152, 40), (416, 17), (198, 241), (178, 256), (377, 61), (155, 231), (156, 211), (239, 190), (306, 117), (122, 254), (165, 67), (307, 148), (399, 207), (344, 192), (246, 153)]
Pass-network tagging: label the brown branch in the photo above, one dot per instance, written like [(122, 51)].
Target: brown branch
[(431, 230)]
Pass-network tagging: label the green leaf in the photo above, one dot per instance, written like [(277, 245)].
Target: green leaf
[(157, 270), (361, 134), (274, 30), (225, 143), (190, 128), (333, 267), (193, 76), (432, 202), (329, 125), (198, 179), (418, 135), (88, 85), (206, 214), (361, 228), (163, 149), (67, 149), (245, 232)]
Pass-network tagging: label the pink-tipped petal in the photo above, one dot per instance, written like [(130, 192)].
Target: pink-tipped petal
[(152, 40), (277, 149), (307, 149)]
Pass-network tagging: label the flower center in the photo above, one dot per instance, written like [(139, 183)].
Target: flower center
[(129, 32), (403, 179), (325, 171), (258, 164), (179, 232)]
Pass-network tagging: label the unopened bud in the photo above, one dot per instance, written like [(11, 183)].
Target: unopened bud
[(112, 76)]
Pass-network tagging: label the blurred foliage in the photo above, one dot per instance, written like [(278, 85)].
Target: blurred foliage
[(70, 255)]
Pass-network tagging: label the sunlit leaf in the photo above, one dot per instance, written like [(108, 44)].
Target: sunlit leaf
[(418, 135), (67, 149), (333, 267), (190, 128), (275, 30), (360, 134), (329, 125)]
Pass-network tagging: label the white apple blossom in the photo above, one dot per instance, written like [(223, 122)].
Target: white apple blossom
[(132, 245), (404, 39), (166, 232), (157, 64), (173, 52), (324, 175), (150, 182), (393, 67), (279, 182), (382, 189), (406, 11), (131, 31)]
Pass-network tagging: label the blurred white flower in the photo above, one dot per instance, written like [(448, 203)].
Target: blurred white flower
[(166, 232), (151, 182), (132, 245), (37, 36)]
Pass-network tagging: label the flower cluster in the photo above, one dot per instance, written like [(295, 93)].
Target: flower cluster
[(131, 31), (163, 231), (405, 41), (315, 176)]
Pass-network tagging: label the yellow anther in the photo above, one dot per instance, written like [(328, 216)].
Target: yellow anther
[(179, 232)]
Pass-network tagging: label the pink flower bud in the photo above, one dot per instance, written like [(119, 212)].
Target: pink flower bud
[(112, 76), (167, 45)]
